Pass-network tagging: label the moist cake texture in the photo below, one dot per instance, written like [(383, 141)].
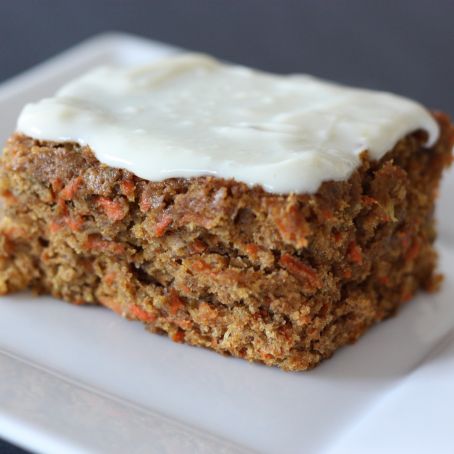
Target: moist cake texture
[(280, 278)]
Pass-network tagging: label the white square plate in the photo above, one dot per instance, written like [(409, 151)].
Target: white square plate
[(77, 379)]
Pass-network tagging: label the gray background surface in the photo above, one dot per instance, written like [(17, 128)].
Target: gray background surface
[(402, 45)]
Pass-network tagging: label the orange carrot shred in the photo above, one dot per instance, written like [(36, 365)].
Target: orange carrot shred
[(327, 214), (111, 303), (185, 288), (127, 188), (178, 337), (110, 278), (367, 200), (144, 203), (300, 270), (113, 209), (355, 253), (96, 243), (68, 192), (57, 185), (413, 252), (74, 223), (201, 265), (175, 302), (9, 197), (252, 249), (162, 226), (142, 315), (55, 226)]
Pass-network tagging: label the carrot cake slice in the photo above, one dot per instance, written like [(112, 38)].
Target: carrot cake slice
[(272, 218)]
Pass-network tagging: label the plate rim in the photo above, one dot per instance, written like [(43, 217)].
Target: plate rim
[(32, 435)]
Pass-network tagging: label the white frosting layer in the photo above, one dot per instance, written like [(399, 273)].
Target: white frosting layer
[(191, 115)]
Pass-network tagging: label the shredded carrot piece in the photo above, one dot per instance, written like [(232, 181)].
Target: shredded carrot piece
[(142, 315), (68, 192), (368, 201), (110, 278), (79, 302), (300, 270), (413, 252), (144, 203), (113, 209), (96, 243), (127, 188), (252, 249), (327, 214), (116, 248), (355, 253), (62, 209), (185, 288), (200, 266), (175, 302), (184, 324), (74, 223), (207, 312), (111, 303), (15, 232), (57, 185), (162, 226), (178, 337), (293, 227), (9, 197), (55, 226)]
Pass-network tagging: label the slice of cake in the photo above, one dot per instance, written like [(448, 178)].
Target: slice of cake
[(273, 218)]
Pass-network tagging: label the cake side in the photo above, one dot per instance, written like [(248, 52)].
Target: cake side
[(281, 279)]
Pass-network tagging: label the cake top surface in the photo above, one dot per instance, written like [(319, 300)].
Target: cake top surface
[(191, 115)]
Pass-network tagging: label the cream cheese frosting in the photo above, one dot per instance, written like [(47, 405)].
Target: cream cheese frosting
[(191, 115)]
